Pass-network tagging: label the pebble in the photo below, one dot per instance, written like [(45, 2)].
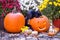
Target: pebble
[(42, 38), (27, 32), (17, 39), (42, 35), (4, 38), (55, 39), (35, 32), (22, 39), (58, 34), (31, 38)]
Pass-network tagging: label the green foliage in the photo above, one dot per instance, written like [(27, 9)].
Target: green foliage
[(1, 9), (52, 10)]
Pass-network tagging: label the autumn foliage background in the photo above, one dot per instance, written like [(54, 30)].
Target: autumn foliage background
[(50, 8), (7, 6)]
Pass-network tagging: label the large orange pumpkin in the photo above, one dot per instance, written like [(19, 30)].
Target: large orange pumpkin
[(40, 24), (13, 22)]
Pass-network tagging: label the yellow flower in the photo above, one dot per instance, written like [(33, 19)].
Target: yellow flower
[(58, 4), (58, 0), (24, 28), (50, 3), (43, 5), (59, 11), (46, 0), (55, 3)]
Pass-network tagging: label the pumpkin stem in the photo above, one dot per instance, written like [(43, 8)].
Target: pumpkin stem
[(14, 10)]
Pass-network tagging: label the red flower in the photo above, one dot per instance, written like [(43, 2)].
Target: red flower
[(9, 5), (2, 14)]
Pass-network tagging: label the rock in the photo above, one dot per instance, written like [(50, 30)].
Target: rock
[(42, 35), (31, 38), (10, 35), (17, 39), (42, 38), (22, 39), (58, 34), (34, 34), (55, 39), (4, 38), (27, 32), (21, 36)]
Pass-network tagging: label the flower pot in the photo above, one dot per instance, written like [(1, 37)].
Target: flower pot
[(56, 22), (1, 23)]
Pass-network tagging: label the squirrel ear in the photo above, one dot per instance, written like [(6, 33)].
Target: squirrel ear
[(38, 13), (30, 13)]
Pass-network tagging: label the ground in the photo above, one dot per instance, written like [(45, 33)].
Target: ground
[(20, 36)]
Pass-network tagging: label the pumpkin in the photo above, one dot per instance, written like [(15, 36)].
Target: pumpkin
[(40, 24), (53, 32), (13, 22)]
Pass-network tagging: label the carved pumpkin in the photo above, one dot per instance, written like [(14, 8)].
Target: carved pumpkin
[(13, 22), (40, 24)]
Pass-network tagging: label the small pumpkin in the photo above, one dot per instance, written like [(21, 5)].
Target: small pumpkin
[(13, 22), (40, 24), (53, 32)]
